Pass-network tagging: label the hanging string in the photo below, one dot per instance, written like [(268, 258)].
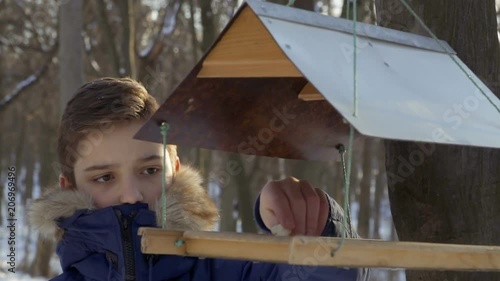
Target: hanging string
[(347, 177), (410, 9), (163, 130), (290, 3), (346, 168)]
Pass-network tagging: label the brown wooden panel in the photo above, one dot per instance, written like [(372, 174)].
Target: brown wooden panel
[(261, 116)]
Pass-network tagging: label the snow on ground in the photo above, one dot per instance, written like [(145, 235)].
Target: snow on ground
[(18, 276)]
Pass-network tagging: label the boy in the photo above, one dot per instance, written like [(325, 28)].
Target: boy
[(110, 181)]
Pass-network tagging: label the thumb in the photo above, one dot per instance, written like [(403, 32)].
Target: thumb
[(268, 217), (271, 219)]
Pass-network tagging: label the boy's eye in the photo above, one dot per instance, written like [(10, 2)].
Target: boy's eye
[(150, 171), (103, 179)]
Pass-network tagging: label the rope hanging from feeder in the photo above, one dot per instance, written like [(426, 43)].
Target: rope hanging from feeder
[(163, 130), (346, 168)]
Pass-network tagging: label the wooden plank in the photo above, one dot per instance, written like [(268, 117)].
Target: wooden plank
[(247, 50), (303, 250), (410, 255), (310, 93), (212, 244)]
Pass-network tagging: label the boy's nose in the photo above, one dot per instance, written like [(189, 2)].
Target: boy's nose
[(131, 193)]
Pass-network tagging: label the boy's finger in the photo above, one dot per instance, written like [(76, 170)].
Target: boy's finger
[(312, 207), (298, 207)]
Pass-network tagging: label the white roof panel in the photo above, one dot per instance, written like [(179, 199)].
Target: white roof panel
[(405, 91)]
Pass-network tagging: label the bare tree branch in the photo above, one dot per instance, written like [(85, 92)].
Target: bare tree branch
[(28, 82), (29, 19), (153, 51), (194, 40), (90, 58), (22, 46)]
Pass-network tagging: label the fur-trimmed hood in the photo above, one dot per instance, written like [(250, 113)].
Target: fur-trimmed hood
[(188, 206)]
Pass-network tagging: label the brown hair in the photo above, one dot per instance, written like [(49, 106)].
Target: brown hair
[(93, 110)]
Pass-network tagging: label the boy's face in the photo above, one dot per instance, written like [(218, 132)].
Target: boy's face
[(120, 169)]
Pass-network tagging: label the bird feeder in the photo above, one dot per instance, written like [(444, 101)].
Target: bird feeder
[(278, 82)]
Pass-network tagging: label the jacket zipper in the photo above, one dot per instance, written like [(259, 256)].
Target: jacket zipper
[(128, 247)]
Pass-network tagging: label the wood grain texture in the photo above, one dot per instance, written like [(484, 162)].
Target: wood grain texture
[(302, 250), (255, 116), (247, 49)]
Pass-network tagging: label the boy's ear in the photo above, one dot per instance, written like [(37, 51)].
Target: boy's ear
[(177, 164), (64, 183)]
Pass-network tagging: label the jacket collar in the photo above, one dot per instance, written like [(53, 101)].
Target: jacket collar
[(188, 204), (90, 240)]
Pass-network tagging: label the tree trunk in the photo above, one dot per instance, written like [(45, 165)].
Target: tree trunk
[(365, 189), (70, 49), (108, 37), (128, 41), (204, 160), (363, 10), (453, 196), (30, 171), (208, 23), (305, 4), (3, 168), (245, 199), (228, 194), (192, 29), (71, 77), (308, 170), (301, 4), (380, 187)]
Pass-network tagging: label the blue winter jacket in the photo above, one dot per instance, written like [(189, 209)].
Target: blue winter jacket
[(104, 245)]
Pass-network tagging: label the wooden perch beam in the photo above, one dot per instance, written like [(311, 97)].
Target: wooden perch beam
[(301, 250)]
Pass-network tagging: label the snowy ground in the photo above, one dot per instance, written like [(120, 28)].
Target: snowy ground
[(18, 277)]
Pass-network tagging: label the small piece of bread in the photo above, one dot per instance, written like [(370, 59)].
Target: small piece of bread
[(279, 230)]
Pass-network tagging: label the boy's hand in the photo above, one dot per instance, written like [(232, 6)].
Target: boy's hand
[(294, 204)]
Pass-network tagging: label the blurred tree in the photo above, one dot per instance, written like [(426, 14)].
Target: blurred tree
[(70, 50), (365, 196), (209, 25), (365, 10), (305, 4), (453, 196)]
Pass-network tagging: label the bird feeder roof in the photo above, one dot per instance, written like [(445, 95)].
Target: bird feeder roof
[(278, 82)]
